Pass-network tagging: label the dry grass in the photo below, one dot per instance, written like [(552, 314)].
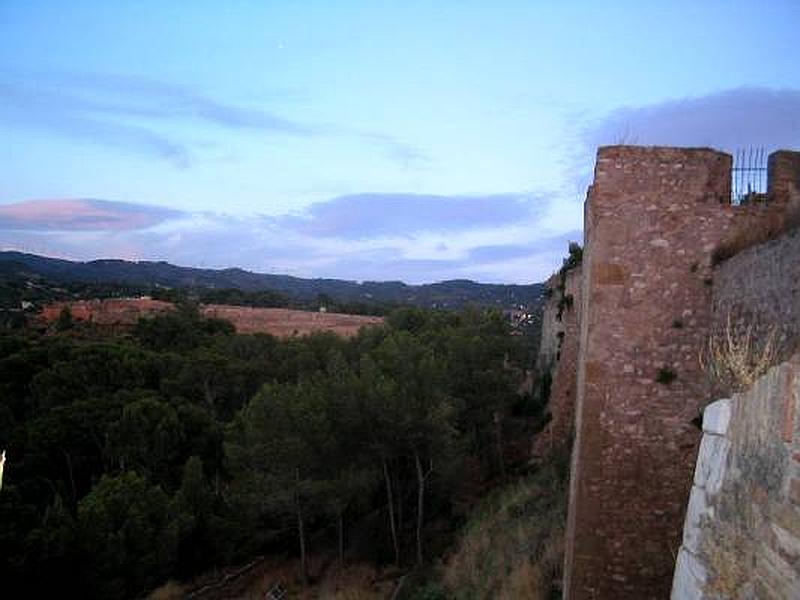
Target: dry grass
[(734, 361), (356, 582), (513, 547), (169, 591)]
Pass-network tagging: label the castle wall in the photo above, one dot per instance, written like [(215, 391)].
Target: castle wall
[(783, 176), (759, 290), (655, 221)]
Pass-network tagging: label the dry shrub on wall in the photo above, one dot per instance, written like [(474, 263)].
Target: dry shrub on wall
[(733, 361)]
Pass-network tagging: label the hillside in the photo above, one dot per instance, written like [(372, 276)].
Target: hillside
[(447, 294)]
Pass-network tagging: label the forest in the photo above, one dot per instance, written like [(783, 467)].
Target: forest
[(181, 446)]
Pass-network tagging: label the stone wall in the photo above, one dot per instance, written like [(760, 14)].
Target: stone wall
[(562, 351), (741, 538), (783, 174), (655, 220), (552, 328), (759, 289)]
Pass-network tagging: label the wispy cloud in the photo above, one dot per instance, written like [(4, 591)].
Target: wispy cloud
[(129, 113), (139, 115), (82, 214), (364, 216)]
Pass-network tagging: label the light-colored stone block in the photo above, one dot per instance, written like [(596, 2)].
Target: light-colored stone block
[(697, 509), (711, 462), (717, 417), (689, 579)]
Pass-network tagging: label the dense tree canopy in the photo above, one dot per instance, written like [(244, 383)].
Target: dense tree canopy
[(182, 445)]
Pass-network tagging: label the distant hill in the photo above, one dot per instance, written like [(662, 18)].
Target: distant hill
[(447, 294)]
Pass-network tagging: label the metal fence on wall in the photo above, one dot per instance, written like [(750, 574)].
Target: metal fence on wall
[(749, 176)]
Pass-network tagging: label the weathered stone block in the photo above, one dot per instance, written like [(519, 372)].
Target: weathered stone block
[(711, 463), (690, 577), (697, 509), (717, 416)]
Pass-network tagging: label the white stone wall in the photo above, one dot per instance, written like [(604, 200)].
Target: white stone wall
[(690, 572)]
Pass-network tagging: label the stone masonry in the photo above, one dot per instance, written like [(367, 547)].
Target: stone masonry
[(560, 322), (741, 538), (655, 218), (759, 290)]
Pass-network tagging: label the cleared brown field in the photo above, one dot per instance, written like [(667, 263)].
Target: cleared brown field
[(111, 311), (280, 322), (284, 322)]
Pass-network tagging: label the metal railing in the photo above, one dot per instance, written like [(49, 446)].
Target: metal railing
[(749, 176)]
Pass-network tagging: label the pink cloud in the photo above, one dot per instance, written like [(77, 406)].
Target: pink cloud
[(82, 215)]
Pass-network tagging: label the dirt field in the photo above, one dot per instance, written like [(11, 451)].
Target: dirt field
[(283, 322), (112, 311), (280, 322)]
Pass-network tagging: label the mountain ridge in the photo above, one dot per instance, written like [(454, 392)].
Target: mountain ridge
[(453, 293)]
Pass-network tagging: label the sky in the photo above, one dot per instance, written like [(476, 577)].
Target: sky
[(414, 141)]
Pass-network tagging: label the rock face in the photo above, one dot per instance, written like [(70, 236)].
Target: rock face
[(657, 220), (741, 537), (559, 356), (280, 322)]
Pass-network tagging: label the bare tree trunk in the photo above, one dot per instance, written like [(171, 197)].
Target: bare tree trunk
[(207, 393), (399, 493), (391, 511), (341, 538), (71, 478), (420, 505), (301, 531), (498, 432)]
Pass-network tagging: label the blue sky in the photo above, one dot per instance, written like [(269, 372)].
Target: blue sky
[(364, 140)]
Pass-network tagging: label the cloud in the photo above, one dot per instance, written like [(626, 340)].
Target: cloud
[(140, 114), (501, 238), (374, 215), (82, 215), (406, 155), (727, 120), (127, 112), (505, 252)]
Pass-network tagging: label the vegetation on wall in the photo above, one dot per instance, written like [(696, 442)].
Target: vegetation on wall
[(733, 360)]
